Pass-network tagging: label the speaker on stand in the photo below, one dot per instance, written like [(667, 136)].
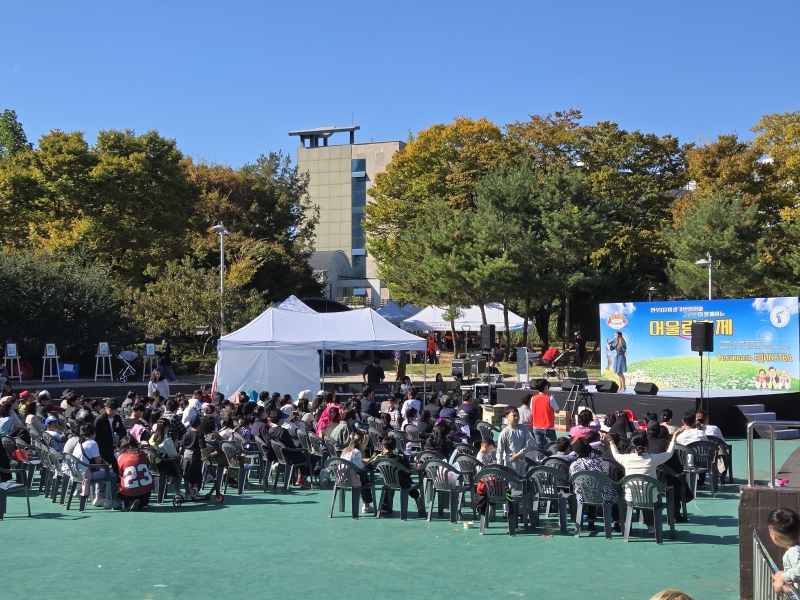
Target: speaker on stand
[(487, 337), (702, 341)]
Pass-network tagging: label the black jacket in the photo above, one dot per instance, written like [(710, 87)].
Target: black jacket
[(105, 440)]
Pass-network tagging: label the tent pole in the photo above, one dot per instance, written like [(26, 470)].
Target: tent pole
[(425, 376), (322, 387)]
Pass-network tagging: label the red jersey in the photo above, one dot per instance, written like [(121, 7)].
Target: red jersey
[(134, 474)]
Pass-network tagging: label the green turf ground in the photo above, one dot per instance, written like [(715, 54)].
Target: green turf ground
[(284, 545)]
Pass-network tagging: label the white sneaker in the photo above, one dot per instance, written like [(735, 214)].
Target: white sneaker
[(99, 501), (367, 510)]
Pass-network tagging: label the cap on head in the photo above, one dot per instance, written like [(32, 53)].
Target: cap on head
[(581, 447)]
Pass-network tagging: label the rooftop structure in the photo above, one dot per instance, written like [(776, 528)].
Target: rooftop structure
[(314, 136)]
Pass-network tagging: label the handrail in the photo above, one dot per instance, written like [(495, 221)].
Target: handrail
[(750, 461), (763, 570)]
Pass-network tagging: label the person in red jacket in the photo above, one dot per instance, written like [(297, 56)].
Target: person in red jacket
[(543, 416), (135, 479)]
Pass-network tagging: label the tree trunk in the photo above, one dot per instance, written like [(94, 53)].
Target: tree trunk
[(566, 320), (483, 313), (541, 321), (507, 332), (526, 321)]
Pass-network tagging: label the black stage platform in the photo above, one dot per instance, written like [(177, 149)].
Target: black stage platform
[(722, 409)]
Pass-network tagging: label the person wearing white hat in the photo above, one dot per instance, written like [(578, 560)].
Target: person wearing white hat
[(304, 395)]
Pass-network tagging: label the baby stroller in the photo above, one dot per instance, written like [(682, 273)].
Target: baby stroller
[(127, 356), (551, 361)]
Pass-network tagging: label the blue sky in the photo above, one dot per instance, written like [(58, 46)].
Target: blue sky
[(229, 80)]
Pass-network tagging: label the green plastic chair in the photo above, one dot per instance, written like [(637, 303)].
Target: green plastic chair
[(663, 471), (390, 473), (706, 460), (591, 485), (21, 473), (551, 484), (496, 480), (646, 494), (437, 475), (344, 472)]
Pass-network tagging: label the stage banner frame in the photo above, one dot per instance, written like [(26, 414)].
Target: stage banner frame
[(756, 343)]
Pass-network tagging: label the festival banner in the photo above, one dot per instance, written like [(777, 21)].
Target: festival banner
[(756, 343)]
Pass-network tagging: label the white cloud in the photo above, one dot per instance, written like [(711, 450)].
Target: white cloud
[(624, 308), (767, 304)]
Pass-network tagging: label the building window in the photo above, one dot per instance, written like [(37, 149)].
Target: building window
[(358, 200), (360, 266)]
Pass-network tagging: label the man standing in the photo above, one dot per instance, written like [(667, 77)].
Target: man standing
[(543, 421), (109, 431), (165, 361), (525, 414), (400, 364), (374, 374), (580, 349)]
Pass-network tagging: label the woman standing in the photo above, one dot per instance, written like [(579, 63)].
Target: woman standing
[(158, 383), (619, 348)]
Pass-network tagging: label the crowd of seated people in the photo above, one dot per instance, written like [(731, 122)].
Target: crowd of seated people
[(179, 430)]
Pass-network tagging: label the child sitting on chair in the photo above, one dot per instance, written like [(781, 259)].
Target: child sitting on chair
[(485, 455)]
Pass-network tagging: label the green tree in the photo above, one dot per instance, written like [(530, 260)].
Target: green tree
[(444, 162), (267, 207), (183, 295), (730, 230), (70, 302), (548, 223), (458, 250), (638, 175), (127, 201), (12, 137)]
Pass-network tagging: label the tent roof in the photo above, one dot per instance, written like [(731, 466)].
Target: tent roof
[(392, 312), (294, 303), (432, 318), (361, 329)]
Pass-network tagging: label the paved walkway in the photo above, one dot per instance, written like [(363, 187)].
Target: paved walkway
[(284, 545)]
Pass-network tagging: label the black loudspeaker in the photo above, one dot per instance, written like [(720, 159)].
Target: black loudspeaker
[(487, 337), (646, 389), (607, 387), (702, 337)]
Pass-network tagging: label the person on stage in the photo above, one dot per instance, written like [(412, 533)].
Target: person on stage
[(619, 348), (580, 349)]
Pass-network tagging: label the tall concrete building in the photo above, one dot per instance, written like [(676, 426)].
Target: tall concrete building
[(340, 176)]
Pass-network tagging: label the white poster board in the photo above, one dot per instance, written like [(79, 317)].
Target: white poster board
[(149, 349), (50, 350), (522, 365), (11, 350), (102, 349)]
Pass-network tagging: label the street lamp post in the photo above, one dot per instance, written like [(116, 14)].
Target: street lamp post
[(707, 262), (650, 291), (223, 232)]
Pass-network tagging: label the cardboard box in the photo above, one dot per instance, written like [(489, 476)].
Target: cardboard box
[(562, 419), (494, 414)]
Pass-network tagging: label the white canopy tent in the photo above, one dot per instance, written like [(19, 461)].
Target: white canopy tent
[(277, 351), (432, 318), (392, 313)]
